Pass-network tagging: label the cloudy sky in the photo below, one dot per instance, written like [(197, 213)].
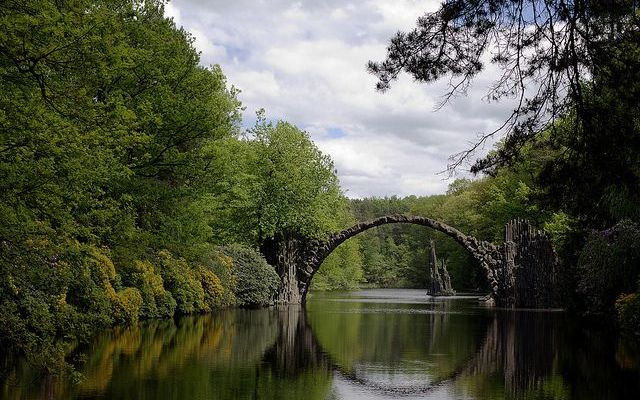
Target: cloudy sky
[(305, 62)]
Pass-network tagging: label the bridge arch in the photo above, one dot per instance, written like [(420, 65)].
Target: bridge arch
[(521, 272), (489, 256)]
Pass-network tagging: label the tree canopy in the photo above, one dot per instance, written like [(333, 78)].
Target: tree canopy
[(564, 59)]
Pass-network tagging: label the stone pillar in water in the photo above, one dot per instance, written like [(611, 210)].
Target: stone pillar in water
[(439, 279), (446, 280), (435, 280), (286, 267)]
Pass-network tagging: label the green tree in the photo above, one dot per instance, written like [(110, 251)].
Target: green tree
[(299, 190), (107, 120)]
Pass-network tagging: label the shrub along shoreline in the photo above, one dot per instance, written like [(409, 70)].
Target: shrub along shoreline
[(93, 296)]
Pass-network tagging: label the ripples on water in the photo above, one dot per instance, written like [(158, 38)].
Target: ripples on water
[(370, 344)]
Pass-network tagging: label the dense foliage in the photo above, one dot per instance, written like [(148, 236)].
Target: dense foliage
[(609, 265), (129, 191), (126, 178)]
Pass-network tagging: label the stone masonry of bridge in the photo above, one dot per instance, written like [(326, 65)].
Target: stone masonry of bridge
[(297, 261)]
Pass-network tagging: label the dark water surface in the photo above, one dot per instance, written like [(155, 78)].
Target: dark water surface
[(370, 344)]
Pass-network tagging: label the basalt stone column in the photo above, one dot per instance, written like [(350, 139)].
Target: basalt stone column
[(507, 296), (286, 263), (446, 279), (439, 279), (435, 280), (530, 253)]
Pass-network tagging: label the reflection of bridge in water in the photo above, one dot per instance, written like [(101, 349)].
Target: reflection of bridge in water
[(518, 347), (344, 349)]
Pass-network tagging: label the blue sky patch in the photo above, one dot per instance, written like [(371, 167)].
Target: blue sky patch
[(335, 133)]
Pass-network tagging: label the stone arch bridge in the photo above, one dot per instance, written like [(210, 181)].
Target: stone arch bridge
[(520, 272)]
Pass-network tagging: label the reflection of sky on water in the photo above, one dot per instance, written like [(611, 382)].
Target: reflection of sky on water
[(344, 389), (394, 311)]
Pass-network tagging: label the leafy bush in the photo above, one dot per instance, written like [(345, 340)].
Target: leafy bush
[(53, 294), (127, 305), (90, 289), (212, 289), (628, 313), (156, 301), (182, 282), (222, 266), (257, 282), (608, 266), (33, 308)]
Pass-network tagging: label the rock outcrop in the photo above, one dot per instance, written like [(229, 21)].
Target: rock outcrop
[(439, 279)]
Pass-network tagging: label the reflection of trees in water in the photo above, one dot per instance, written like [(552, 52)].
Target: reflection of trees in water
[(600, 366), (438, 339), (165, 350), (289, 353), (516, 355), (296, 348), (519, 350), (151, 355), (275, 353), (266, 354), (542, 355)]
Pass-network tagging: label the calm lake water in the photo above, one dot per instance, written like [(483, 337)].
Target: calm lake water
[(370, 344)]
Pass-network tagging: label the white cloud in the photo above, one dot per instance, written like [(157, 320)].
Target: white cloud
[(306, 63), (257, 84), (172, 12), (402, 15), (204, 44), (295, 12), (339, 13)]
